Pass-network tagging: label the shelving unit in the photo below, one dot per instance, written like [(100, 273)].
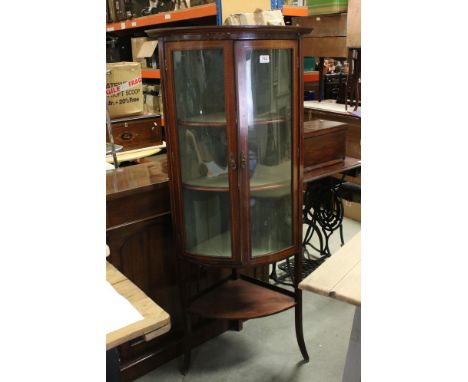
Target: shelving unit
[(165, 17), (151, 73), (187, 14), (292, 10), (264, 178)]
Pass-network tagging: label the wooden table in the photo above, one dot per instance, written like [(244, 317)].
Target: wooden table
[(155, 320), (340, 277), (347, 165)]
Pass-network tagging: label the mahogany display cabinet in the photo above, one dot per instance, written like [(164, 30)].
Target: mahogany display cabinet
[(234, 111)]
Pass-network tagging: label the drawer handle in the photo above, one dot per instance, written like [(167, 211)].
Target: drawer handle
[(126, 136)]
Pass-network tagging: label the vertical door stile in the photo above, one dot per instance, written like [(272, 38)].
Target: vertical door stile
[(268, 148), (205, 179), (233, 161), (242, 128)]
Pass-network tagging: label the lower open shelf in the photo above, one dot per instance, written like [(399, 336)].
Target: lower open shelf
[(240, 300)]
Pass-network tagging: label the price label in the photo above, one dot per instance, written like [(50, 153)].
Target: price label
[(167, 16), (122, 25), (111, 29), (133, 23), (264, 59)]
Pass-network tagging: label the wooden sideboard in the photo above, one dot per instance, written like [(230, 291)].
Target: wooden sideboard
[(139, 234)]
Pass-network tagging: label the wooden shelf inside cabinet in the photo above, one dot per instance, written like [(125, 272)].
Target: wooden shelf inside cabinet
[(291, 10), (213, 120), (240, 300), (265, 178), (151, 73), (164, 17)]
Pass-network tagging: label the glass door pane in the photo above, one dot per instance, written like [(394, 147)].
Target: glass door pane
[(201, 124), (268, 87)]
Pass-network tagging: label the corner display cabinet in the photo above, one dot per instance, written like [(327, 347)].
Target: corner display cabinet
[(234, 115)]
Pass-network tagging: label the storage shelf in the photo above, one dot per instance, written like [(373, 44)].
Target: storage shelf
[(164, 17), (220, 120), (265, 178), (291, 10), (213, 247), (240, 300), (151, 73), (187, 14)]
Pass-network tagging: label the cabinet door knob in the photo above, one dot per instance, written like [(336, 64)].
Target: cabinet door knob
[(126, 136), (243, 160), (232, 162)]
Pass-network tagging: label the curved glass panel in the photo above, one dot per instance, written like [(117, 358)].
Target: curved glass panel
[(201, 130), (268, 74)]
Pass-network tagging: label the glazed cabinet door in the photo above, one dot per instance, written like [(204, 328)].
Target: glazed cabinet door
[(269, 154), (202, 133)]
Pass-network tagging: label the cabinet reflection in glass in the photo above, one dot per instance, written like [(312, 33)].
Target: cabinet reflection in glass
[(268, 74), (201, 129)]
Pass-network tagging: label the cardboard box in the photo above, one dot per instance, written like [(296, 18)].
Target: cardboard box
[(231, 7), (151, 99), (124, 89), (256, 18), (354, 24), (352, 210), (147, 53), (144, 52), (137, 42)]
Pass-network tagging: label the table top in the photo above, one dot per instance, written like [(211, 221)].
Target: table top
[(127, 180), (339, 277), (322, 172), (155, 320), (331, 106)]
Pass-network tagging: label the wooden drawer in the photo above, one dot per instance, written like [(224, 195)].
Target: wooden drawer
[(138, 133), (324, 143), (144, 204)]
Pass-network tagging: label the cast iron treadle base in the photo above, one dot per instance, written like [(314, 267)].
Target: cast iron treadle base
[(287, 266)]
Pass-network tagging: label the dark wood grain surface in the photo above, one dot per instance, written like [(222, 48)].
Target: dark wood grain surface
[(228, 32), (322, 172), (324, 143), (134, 179), (137, 133), (353, 124), (241, 300)]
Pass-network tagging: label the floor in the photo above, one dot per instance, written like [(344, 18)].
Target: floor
[(266, 349)]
